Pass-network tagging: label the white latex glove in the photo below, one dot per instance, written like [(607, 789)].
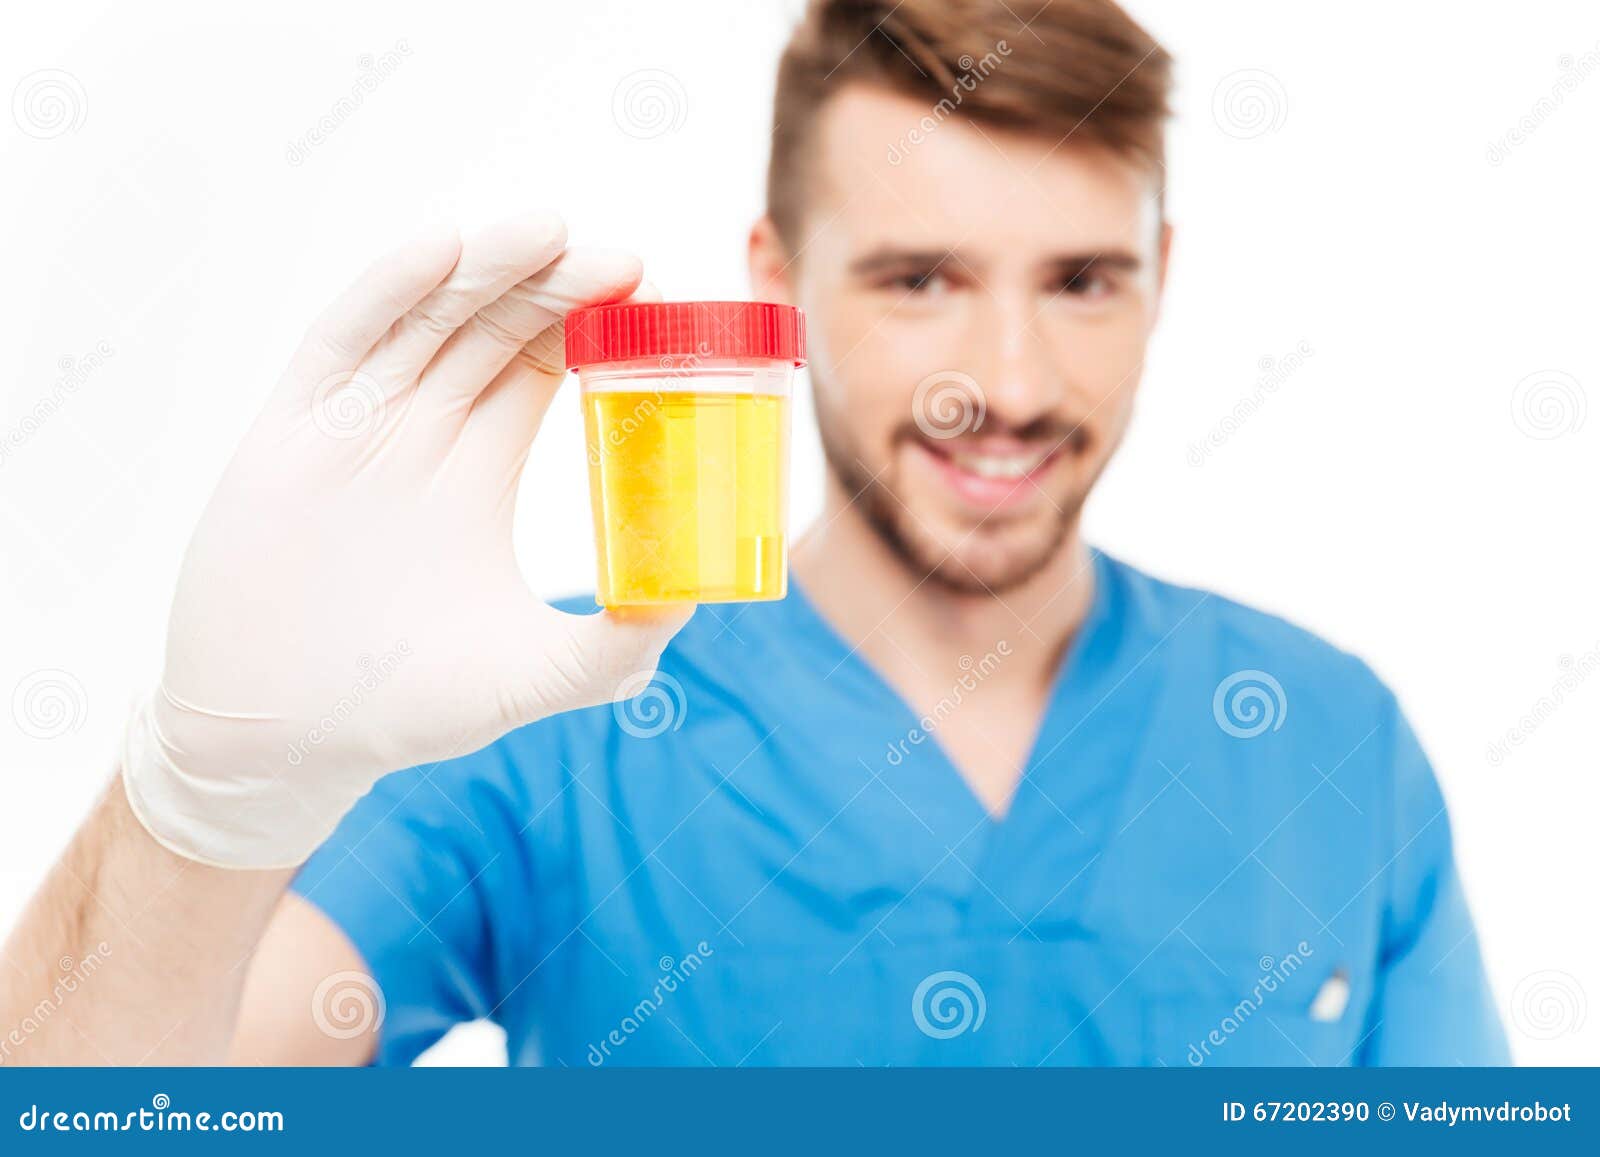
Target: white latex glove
[(350, 604)]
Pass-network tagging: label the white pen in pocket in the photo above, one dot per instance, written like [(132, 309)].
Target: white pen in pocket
[(1332, 998)]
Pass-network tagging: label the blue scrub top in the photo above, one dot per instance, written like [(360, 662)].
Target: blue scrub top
[(1227, 848)]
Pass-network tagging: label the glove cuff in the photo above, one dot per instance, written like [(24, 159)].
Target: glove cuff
[(251, 823)]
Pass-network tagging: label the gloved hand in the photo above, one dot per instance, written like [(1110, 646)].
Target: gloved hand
[(350, 604)]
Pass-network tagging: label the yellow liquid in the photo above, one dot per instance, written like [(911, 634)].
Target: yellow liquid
[(689, 493)]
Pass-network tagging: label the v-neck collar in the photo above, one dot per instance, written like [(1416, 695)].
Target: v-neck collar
[(1090, 649)]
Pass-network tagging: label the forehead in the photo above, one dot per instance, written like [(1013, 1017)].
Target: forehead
[(890, 169)]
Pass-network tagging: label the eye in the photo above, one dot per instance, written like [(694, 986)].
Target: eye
[(1089, 283), (921, 283)]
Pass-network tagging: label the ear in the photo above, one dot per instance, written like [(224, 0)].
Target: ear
[(770, 267), (1163, 252)]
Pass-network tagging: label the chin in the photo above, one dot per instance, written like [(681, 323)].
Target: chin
[(955, 544), (990, 560)]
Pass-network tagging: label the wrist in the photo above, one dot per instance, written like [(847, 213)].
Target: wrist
[(254, 821)]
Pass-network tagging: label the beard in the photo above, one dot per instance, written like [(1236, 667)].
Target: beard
[(994, 557)]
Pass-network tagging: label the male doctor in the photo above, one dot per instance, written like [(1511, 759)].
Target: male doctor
[(973, 793)]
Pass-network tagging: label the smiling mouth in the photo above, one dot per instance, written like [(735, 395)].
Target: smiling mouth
[(1013, 467), (994, 473)]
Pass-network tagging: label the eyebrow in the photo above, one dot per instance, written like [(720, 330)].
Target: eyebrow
[(1108, 258), (888, 258)]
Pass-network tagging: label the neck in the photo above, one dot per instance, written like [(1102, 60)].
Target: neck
[(899, 617)]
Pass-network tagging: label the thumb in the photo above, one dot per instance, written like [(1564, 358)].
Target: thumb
[(612, 655)]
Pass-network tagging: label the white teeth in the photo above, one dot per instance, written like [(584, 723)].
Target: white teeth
[(1009, 466)]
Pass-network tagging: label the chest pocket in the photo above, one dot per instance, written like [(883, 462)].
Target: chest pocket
[(1298, 1010)]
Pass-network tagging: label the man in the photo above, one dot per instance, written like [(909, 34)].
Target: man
[(973, 793)]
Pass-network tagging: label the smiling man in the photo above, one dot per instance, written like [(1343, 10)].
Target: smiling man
[(974, 793)]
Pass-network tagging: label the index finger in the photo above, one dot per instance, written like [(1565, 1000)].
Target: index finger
[(386, 291)]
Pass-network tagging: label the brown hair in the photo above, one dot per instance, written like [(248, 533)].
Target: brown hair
[(1059, 67)]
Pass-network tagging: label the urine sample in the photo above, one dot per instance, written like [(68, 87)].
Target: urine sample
[(686, 415)]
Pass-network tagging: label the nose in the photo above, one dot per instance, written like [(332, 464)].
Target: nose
[(1010, 362)]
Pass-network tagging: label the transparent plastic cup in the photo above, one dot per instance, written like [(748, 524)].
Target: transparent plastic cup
[(686, 414)]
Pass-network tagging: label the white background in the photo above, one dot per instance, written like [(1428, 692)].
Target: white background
[(1393, 492)]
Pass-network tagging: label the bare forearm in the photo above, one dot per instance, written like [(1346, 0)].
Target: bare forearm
[(130, 954), (232, 758)]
